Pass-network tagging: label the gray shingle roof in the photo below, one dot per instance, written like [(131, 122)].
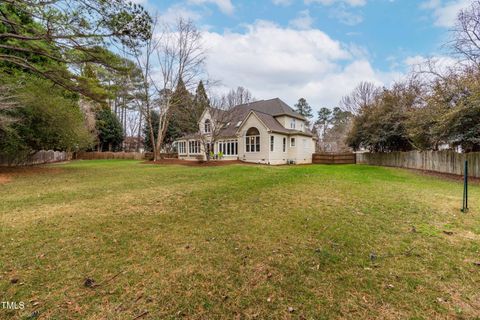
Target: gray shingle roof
[(266, 111), (274, 107)]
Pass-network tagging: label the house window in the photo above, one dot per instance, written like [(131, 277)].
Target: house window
[(252, 140), (272, 143), (284, 144), (182, 147), (194, 147), (228, 147), (208, 126), (238, 124), (292, 124), (292, 142)]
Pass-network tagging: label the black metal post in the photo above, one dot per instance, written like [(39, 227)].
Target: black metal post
[(465, 188)]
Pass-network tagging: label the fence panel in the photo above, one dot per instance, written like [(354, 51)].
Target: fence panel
[(40, 157), (121, 155), (333, 158), (446, 161)]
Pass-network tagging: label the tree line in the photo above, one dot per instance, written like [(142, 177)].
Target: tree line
[(99, 75), (54, 66), (436, 107)]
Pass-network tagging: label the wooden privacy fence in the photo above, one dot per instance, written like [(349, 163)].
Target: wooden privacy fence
[(109, 155), (446, 161), (39, 157), (120, 155), (334, 158)]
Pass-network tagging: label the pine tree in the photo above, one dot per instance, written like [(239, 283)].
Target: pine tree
[(181, 114), (201, 100), (304, 108)]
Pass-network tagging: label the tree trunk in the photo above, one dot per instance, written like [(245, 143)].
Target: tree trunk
[(164, 117), (139, 133)]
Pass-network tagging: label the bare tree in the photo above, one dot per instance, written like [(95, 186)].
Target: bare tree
[(144, 101), (466, 43), (171, 54), (238, 96), (363, 95)]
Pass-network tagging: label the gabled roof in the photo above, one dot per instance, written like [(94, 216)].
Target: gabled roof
[(266, 111), (274, 107), (273, 125)]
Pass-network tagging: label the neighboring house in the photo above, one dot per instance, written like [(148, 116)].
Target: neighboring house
[(266, 131)]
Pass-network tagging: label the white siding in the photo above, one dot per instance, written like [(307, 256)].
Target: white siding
[(257, 157)]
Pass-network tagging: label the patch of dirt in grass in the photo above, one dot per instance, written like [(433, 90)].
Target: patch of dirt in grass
[(7, 174), (193, 163), (4, 178)]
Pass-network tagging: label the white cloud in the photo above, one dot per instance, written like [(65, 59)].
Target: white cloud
[(442, 63), (302, 21), (353, 3), (225, 6), (174, 12), (273, 61), (282, 2), (445, 12), (345, 16)]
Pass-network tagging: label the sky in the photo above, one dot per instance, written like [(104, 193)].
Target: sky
[(316, 49)]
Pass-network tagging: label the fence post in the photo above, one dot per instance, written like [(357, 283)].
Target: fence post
[(465, 188)]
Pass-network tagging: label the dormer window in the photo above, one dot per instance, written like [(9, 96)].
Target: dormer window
[(292, 124), (238, 124), (208, 126)]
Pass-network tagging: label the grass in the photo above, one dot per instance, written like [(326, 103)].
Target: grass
[(237, 242)]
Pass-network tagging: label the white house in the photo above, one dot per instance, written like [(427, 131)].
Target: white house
[(266, 131)]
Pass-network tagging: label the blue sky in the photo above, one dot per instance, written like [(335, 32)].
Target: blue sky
[(317, 49)]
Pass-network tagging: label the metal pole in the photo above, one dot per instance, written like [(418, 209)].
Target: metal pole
[(465, 188)]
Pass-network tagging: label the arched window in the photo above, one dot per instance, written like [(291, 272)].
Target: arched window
[(252, 140), (208, 126)]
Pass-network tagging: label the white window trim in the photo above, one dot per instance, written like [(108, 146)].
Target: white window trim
[(223, 147), (254, 144), (292, 123), (194, 145), (182, 147), (207, 121), (294, 143), (272, 143)]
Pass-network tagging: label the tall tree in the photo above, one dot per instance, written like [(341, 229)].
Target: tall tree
[(184, 118), (337, 131), (466, 37), (110, 132), (362, 96), (237, 97), (179, 54), (304, 108), (154, 119), (201, 101), (382, 125), (323, 121), (44, 117), (66, 32)]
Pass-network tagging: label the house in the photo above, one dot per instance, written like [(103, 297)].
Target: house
[(266, 131)]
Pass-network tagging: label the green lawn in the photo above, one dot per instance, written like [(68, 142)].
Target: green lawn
[(237, 242)]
